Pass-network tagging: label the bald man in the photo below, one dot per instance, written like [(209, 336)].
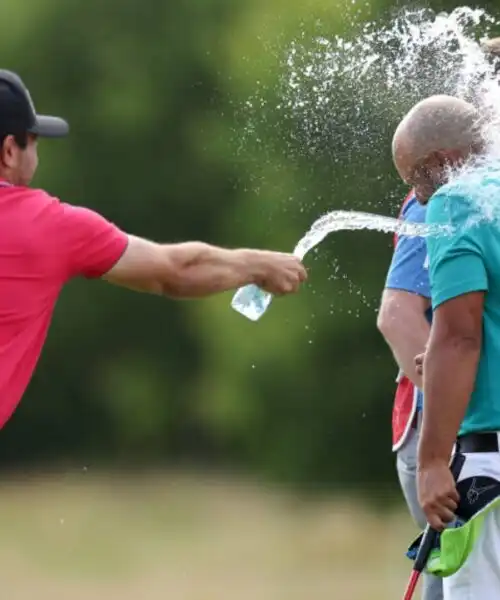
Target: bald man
[(404, 320), (438, 149)]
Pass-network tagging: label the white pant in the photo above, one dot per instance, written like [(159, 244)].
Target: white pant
[(479, 577)]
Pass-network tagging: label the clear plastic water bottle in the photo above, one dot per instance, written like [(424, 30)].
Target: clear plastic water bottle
[(251, 302)]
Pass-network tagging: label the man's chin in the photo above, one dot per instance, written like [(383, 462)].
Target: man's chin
[(24, 181), (422, 199)]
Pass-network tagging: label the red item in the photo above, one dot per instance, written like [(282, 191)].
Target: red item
[(43, 244), (412, 584), (405, 400)]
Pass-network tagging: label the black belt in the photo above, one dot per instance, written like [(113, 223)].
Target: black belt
[(477, 442)]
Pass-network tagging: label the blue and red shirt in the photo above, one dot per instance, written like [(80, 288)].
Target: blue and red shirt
[(408, 272)]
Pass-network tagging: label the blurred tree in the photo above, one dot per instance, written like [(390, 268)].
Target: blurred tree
[(176, 135)]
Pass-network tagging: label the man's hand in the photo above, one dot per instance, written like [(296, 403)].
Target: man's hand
[(419, 364), (437, 494), (278, 273)]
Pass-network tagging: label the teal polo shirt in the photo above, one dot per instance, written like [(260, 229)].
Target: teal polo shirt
[(468, 260)]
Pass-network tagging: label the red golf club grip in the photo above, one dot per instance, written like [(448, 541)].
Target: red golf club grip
[(429, 537)]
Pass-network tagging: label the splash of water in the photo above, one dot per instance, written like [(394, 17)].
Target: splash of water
[(252, 302), (334, 91), (337, 99), (344, 96), (343, 220)]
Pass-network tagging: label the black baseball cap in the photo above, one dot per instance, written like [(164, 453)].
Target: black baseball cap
[(18, 114)]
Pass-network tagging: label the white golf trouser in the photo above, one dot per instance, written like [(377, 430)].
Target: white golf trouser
[(479, 577)]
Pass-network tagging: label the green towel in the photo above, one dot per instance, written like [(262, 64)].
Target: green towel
[(454, 544)]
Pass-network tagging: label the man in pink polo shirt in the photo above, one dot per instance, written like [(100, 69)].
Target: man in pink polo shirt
[(45, 242)]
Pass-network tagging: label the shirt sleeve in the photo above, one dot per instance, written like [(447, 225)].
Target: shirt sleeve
[(457, 263), (408, 271), (89, 244)]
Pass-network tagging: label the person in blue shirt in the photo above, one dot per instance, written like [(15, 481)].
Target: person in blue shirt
[(404, 312), (404, 320), (439, 149)]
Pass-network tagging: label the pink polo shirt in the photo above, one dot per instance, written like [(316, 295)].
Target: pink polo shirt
[(43, 244)]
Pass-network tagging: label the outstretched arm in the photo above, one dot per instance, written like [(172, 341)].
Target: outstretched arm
[(195, 269), (86, 244)]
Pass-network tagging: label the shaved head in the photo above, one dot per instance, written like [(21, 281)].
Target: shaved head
[(438, 132), (491, 49), (491, 46), (439, 123)]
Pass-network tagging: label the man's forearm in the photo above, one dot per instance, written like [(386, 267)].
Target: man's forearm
[(195, 269), (408, 343), (450, 367), (198, 269), (406, 331)]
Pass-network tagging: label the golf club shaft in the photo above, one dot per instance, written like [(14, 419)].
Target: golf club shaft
[(412, 584)]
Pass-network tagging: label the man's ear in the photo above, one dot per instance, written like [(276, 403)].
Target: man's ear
[(442, 162), (8, 151)]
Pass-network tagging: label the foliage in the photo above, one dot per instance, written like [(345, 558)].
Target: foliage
[(161, 145)]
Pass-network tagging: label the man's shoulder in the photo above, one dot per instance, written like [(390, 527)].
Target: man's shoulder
[(43, 195), (35, 210), (473, 188), (453, 204), (467, 206), (413, 211), (34, 195)]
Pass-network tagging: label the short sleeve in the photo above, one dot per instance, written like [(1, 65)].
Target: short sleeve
[(456, 260), (408, 271), (90, 244)]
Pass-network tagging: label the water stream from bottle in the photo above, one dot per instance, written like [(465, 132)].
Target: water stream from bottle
[(252, 302)]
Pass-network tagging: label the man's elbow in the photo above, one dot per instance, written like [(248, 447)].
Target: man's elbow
[(174, 283), (180, 278), (177, 288), (464, 342), (161, 269), (387, 319), (397, 311), (172, 276)]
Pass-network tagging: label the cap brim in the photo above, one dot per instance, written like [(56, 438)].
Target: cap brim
[(50, 127)]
